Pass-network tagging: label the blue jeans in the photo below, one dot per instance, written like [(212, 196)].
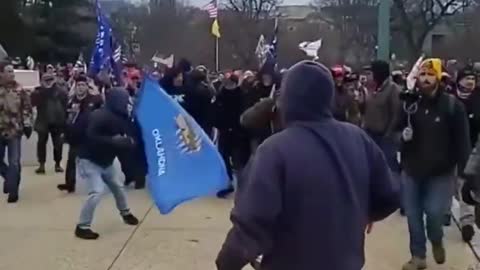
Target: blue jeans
[(11, 172), (430, 197), (96, 178)]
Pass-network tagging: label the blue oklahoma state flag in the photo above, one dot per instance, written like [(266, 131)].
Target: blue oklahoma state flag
[(183, 163)]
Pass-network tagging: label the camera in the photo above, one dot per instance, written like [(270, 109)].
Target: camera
[(410, 96)]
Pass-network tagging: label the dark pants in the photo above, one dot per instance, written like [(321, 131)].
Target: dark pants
[(235, 151), (71, 170), (133, 165), (11, 172), (56, 135)]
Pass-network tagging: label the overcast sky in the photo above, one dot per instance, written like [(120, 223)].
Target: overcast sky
[(285, 2), (203, 2)]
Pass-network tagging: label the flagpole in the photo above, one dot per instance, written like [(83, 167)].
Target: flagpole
[(217, 66)]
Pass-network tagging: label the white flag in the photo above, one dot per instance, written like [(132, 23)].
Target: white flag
[(261, 50), (169, 61), (30, 63), (412, 76), (80, 65), (3, 53), (311, 48)]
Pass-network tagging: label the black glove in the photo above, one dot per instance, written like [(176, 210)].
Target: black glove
[(27, 131), (228, 260), (467, 191), (123, 142)]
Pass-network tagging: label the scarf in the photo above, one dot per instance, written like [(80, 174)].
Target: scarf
[(463, 93)]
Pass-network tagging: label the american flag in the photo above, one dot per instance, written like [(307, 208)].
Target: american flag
[(212, 9), (80, 64), (117, 54)]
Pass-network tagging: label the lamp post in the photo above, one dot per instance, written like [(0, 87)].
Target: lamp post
[(383, 38)]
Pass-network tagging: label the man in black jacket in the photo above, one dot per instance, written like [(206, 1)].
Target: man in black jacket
[(467, 93), (233, 142), (79, 107), (132, 160), (435, 143), (51, 103), (108, 131), (198, 100)]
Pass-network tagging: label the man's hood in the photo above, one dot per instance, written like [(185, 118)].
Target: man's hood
[(117, 101), (381, 71), (307, 93)]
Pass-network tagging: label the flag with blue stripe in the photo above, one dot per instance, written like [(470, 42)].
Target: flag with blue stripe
[(183, 163), (106, 55), (271, 56)]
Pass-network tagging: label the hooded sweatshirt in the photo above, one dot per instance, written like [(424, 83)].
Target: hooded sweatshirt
[(312, 188), (198, 102), (101, 146), (382, 107)]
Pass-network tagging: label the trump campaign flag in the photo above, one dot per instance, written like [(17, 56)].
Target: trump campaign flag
[(183, 163)]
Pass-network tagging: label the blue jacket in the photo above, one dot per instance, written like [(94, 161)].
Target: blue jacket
[(311, 189)]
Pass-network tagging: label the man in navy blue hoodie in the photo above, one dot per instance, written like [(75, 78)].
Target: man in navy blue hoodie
[(312, 188), (108, 131)]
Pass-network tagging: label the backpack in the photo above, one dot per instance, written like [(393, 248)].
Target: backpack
[(451, 105)]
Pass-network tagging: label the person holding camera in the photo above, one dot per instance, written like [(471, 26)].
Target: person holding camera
[(435, 144)]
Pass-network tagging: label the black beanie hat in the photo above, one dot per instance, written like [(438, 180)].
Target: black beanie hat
[(465, 72), (380, 70), (81, 78)]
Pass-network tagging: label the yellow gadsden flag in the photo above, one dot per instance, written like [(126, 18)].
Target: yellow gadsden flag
[(216, 29)]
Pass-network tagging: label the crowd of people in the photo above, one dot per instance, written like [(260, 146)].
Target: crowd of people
[(319, 153)]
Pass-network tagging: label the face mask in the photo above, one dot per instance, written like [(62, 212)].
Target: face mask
[(468, 83)]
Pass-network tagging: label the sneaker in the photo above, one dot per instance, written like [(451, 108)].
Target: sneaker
[(224, 193), (41, 169), (86, 234), (467, 233), (58, 168), (12, 198), (64, 187), (130, 219), (438, 253), (415, 264), (128, 181), (140, 182), (139, 185)]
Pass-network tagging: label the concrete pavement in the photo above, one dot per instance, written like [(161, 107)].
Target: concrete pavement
[(37, 233)]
